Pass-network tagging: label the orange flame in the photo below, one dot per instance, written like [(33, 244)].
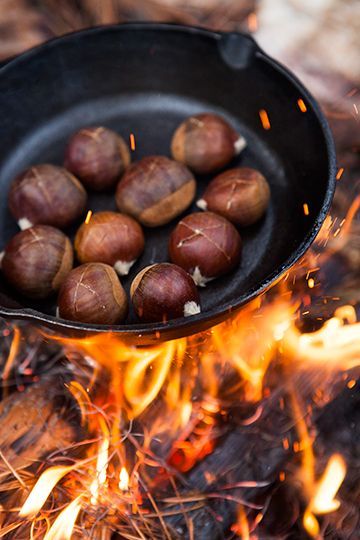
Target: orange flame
[(323, 500), (42, 489), (123, 479), (63, 526)]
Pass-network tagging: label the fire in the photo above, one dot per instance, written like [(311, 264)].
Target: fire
[(123, 479), (159, 411), (63, 526), (42, 489), (323, 500)]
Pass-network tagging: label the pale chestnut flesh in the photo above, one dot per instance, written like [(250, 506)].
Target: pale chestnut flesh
[(206, 143), (241, 195), (92, 293), (37, 260), (155, 190), (98, 156), (111, 238), (47, 195), (162, 292), (206, 245)]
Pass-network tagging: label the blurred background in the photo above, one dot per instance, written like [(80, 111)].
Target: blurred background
[(319, 40)]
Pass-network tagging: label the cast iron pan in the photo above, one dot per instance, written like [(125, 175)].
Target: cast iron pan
[(145, 79)]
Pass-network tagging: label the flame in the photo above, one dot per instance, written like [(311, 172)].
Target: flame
[(123, 479), (42, 489), (241, 527), (334, 474), (101, 470), (63, 526), (323, 500)]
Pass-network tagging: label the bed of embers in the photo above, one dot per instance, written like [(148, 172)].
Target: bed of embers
[(250, 430)]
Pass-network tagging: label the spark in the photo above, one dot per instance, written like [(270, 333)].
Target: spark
[(88, 217), (264, 119), (355, 108), (311, 283), (301, 105), (340, 173), (132, 142), (306, 209), (252, 22), (351, 383)]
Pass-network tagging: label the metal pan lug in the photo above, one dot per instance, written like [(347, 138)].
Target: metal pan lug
[(237, 50)]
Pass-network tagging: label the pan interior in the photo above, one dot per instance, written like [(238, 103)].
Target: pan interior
[(181, 78)]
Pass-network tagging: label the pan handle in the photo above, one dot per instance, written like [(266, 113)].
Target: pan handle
[(237, 50)]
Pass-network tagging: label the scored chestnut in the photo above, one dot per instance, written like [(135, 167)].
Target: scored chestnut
[(241, 195), (37, 260), (155, 190), (162, 292), (46, 195), (111, 238), (98, 156), (92, 293), (206, 143), (206, 245)]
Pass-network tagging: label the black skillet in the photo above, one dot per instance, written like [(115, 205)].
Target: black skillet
[(145, 79)]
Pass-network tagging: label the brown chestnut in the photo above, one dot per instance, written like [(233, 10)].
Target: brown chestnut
[(162, 292), (155, 190), (92, 293), (46, 195), (240, 195), (37, 260), (206, 245), (98, 156), (206, 143), (110, 238)]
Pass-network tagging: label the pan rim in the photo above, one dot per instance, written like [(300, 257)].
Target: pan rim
[(185, 326)]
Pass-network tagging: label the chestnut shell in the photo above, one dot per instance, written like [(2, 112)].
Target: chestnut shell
[(98, 156), (47, 195), (37, 260), (206, 143), (240, 195), (111, 238), (155, 190), (206, 245), (92, 293), (163, 292)]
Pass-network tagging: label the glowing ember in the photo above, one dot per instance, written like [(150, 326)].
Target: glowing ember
[(264, 119), (132, 142), (302, 105), (88, 217)]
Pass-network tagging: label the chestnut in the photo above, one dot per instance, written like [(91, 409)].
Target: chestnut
[(162, 292), (206, 245), (111, 238), (37, 260), (155, 190), (206, 143), (98, 156), (241, 195), (92, 293), (46, 195)]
